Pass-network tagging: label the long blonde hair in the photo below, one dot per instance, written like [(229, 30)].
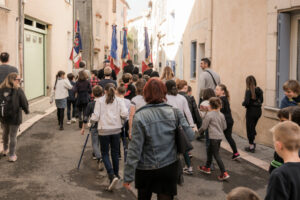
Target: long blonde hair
[(167, 74), (9, 81)]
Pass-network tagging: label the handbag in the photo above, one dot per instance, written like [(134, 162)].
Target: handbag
[(182, 142)]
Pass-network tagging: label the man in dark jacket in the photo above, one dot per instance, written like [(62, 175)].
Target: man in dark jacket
[(128, 68), (5, 69), (101, 71), (150, 70)]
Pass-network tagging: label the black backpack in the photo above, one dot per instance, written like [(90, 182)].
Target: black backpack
[(6, 104)]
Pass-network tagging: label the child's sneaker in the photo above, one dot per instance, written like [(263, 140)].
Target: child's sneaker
[(113, 180), (69, 122), (224, 176), (204, 169), (12, 158), (4, 152), (73, 120), (236, 156), (189, 171)]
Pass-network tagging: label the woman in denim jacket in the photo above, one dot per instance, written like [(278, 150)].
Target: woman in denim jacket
[(152, 154)]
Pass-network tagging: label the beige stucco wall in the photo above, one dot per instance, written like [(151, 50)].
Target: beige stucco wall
[(59, 16), (197, 29), (9, 30), (239, 50), (238, 30)]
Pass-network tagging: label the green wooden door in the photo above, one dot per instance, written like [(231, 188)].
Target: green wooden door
[(34, 64)]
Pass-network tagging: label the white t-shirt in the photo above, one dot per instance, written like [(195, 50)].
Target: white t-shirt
[(138, 101)]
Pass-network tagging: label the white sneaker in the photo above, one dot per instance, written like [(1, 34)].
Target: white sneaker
[(73, 120), (69, 122), (113, 183), (12, 158)]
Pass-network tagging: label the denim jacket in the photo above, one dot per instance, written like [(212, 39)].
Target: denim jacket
[(153, 139)]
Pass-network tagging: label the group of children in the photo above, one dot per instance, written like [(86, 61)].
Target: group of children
[(110, 109)]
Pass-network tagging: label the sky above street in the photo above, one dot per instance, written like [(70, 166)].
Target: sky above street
[(136, 7)]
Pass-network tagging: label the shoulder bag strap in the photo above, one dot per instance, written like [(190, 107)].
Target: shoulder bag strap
[(176, 117), (212, 77)]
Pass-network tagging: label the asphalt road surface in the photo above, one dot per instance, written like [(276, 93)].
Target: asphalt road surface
[(47, 161)]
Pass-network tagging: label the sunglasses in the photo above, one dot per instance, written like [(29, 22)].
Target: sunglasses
[(17, 79)]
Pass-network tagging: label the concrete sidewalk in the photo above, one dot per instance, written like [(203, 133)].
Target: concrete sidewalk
[(262, 156)]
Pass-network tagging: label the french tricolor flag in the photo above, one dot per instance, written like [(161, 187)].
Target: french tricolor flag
[(77, 48)]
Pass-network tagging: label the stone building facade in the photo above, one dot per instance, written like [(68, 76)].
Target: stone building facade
[(47, 42), (242, 38)]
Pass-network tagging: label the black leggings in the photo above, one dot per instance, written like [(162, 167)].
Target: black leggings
[(252, 116), (213, 151), (228, 136), (60, 116), (81, 109), (146, 195)]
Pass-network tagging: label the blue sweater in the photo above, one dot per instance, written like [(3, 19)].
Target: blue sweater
[(286, 102)]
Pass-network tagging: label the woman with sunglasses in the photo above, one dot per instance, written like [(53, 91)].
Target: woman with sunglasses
[(13, 101)]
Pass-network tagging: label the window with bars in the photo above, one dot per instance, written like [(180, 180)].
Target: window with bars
[(193, 59)]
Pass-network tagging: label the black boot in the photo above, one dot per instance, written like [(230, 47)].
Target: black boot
[(62, 115), (80, 124)]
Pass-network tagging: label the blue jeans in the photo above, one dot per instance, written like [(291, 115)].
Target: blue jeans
[(113, 141), (95, 142)]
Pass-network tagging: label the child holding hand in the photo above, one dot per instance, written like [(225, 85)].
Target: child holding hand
[(215, 122)]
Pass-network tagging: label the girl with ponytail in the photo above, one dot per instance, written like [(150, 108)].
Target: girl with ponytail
[(60, 94), (178, 101), (110, 112), (223, 94), (252, 102)]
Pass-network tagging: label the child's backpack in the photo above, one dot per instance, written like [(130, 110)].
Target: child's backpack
[(6, 104)]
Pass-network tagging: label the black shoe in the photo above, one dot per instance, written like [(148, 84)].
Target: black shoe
[(61, 128), (248, 149), (80, 124), (113, 180), (236, 156)]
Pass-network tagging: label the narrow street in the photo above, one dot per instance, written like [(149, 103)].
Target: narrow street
[(47, 161)]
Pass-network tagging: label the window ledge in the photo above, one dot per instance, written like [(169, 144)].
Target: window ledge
[(269, 108), (2, 7), (271, 112)]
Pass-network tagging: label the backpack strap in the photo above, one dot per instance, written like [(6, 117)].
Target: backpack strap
[(212, 78)]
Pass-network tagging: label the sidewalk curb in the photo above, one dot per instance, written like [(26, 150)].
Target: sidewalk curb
[(30, 122), (246, 156)]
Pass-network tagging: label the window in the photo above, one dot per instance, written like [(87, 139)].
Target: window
[(136, 58), (98, 25), (114, 6), (288, 51), (193, 59), (28, 22), (2, 2)]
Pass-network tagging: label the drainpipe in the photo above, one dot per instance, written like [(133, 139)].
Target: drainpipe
[(211, 28), (21, 38)]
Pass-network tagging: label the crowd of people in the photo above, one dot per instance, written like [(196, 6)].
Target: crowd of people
[(143, 112)]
